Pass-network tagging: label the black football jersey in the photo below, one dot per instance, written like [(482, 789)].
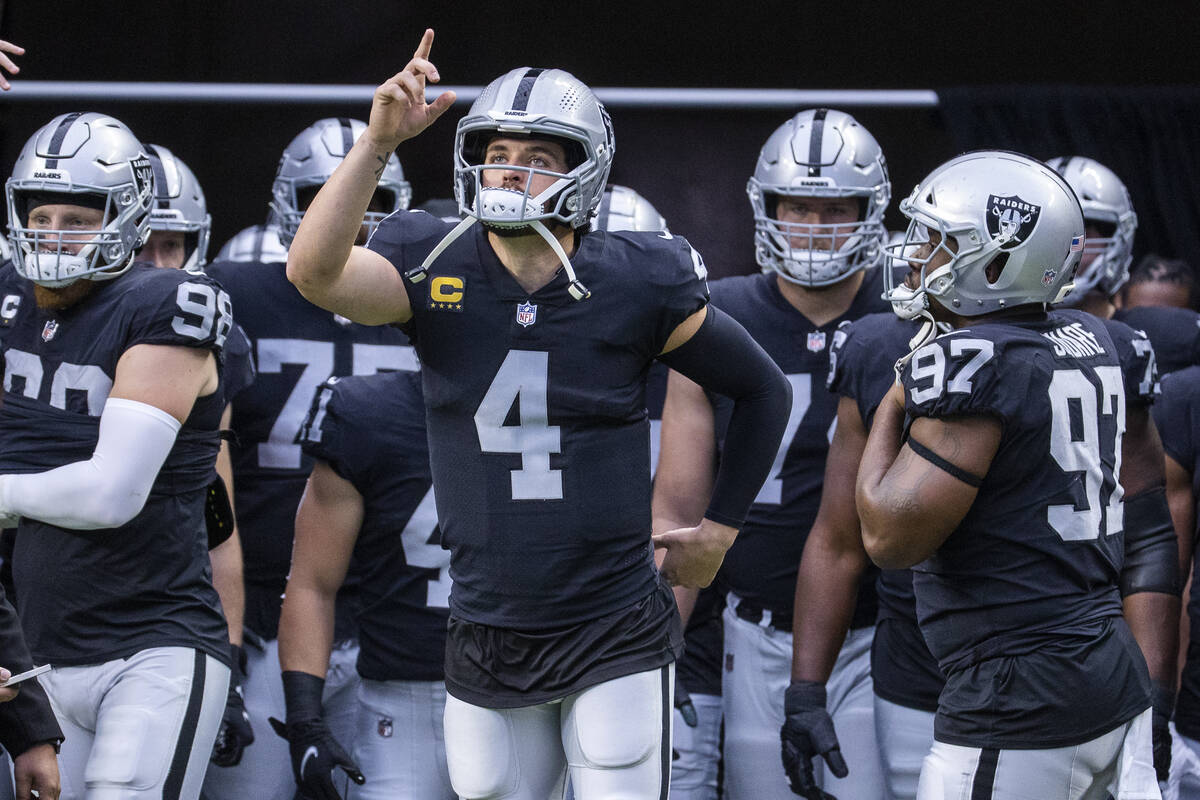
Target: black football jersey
[(1174, 332), (761, 566), (1020, 604), (1177, 416), (538, 430), (371, 431), (296, 347), (91, 596)]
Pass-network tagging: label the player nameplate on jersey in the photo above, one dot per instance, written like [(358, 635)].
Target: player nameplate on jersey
[(50, 328), (1010, 219), (816, 341), (526, 314)]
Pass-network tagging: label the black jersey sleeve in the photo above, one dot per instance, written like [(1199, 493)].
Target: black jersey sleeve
[(323, 435), (177, 308), (405, 238), (862, 359), (961, 374), (1138, 364), (1173, 414), (679, 280), (239, 362)]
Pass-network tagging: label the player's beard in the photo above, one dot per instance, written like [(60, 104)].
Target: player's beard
[(56, 299)]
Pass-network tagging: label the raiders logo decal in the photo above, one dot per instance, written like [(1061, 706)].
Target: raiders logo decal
[(143, 175), (1010, 220)]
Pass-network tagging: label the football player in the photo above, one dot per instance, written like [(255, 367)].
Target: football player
[(818, 191), (109, 433), (296, 347), (28, 730), (370, 494), (180, 226), (258, 244), (1178, 417), (1018, 583), (1104, 286), (1159, 281), (535, 337)]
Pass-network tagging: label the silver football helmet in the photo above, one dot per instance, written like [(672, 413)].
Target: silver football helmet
[(623, 209), (538, 104), (179, 205), (309, 160), (258, 243), (988, 206), (81, 158), (1106, 204), (819, 153)]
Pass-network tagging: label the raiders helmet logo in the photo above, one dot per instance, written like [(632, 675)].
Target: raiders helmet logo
[(143, 175), (1010, 220)]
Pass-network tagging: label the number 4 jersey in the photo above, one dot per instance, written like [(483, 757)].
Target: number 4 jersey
[(1020, 604), (539, 439), (87, 597)]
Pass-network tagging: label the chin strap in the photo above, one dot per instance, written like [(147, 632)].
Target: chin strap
[(928, 331), (575, 288)]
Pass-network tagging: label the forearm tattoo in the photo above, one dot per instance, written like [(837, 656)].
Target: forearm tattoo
[(383, 160)]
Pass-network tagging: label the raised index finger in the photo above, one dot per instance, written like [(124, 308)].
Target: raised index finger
[(426, 44)]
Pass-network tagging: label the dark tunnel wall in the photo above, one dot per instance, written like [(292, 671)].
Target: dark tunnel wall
[(692, 165)]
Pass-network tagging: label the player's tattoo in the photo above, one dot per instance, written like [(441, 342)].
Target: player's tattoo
[(383, 160)]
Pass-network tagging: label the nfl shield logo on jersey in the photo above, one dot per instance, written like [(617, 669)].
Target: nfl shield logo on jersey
[(526, 314), (385, 727), (49, 330), (816, 341)]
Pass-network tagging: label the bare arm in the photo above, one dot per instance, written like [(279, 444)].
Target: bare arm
[(323, 262), (834, 559), (907, 505), (226, 557), (327, 525), (1153, 616)]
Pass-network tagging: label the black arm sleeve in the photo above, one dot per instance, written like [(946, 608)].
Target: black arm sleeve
[(1151, 551), (722, 358), (27, 719)]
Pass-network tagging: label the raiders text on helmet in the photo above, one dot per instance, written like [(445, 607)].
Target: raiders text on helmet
[(310, 159), (179, 205), (819, 153), (88, 159), (1106, 204), (989, 206)]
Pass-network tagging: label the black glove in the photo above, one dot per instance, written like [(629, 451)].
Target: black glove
[(313, 749), (1162, 703), (807, 733), (235, 733), (683, 702)]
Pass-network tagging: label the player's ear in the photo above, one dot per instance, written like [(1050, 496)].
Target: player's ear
[(995, 267)]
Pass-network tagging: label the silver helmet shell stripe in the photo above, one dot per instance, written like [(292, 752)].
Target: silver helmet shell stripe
[(535, 103), (623, 209), (98, 159), (992, 204), (821, 153), (179, 205), (309, 160), (258, 244), (1105, 201)]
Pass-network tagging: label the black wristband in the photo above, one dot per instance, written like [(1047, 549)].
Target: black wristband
[(302, 694), (944, 465), (1151, 549)]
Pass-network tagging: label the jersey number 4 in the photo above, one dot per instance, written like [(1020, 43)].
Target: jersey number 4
[(522, 380)]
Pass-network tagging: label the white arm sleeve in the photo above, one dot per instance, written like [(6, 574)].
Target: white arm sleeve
[(111, 488)]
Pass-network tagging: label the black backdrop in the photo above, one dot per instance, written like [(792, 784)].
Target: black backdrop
[(693, 165)]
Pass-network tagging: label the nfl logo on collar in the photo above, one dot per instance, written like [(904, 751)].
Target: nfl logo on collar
[(816, 341), (526, 314)]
